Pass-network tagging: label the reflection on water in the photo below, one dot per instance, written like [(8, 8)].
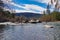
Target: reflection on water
[(1, 32), (29, 32)]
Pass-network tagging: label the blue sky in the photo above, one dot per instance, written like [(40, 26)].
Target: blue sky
[(29, 2), (27, 5)]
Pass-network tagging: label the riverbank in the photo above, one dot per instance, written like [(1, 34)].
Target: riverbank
[(9, 23), (16, 23)]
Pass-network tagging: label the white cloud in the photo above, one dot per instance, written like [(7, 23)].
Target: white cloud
[(7, 1), (27, 7), (46, 1), (30, 8), (42, 1), (18, 11), (17, 5), (34, 7)]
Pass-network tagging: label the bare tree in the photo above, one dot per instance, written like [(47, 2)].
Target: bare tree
[(51, 1), (56, 4)]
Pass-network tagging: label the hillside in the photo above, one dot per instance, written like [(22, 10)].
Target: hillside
[(28, 14)]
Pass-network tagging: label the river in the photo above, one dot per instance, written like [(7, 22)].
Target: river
[(30, 31)]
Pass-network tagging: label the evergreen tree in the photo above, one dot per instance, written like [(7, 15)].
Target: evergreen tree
[(44, 13), (48, 9)]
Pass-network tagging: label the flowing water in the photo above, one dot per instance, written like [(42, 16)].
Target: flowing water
[(30, 31)]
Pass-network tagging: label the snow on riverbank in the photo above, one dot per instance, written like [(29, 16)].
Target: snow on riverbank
[(9, 23)]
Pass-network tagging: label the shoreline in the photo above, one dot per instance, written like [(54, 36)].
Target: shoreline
[(16, 23), (9, 23)]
